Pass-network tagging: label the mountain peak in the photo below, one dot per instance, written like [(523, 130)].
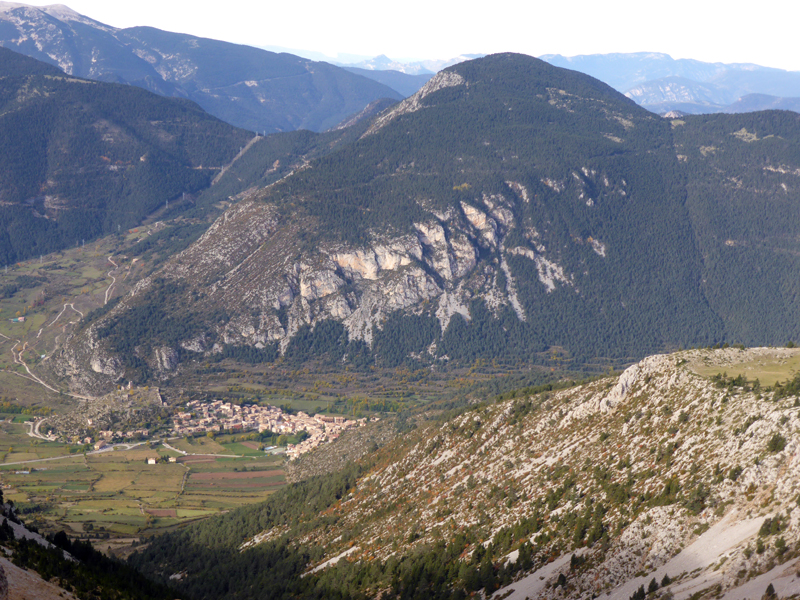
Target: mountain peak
[(441, 80), (62, 12)]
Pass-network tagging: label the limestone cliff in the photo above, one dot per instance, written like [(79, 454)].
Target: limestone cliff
[(251, 262)]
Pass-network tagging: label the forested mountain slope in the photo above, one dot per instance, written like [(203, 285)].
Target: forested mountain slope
[(743, 197), (661, 479), (251, 88), (508, 208), (84, 158)]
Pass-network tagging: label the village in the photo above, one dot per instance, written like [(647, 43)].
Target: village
[(204, 417), (129, 416)]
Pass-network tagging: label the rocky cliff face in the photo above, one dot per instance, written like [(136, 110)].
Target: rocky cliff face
[(250, 262)]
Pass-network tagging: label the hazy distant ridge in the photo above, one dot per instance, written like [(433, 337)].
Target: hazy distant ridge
[(660, 83), (245, 86)]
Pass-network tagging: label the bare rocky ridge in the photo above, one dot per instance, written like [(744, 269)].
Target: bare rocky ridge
[(685, 469), (414, 103), (23, 584)]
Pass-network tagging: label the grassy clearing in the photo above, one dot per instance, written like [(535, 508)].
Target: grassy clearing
[(771, 366), (15, 418), (93, 272), (193, 514), (14, 434), (199, 445), (239, 448), (183, 445), (113, 483), (27, 393)]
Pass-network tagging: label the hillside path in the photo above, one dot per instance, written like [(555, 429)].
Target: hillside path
[(113, 280), (235, 158)]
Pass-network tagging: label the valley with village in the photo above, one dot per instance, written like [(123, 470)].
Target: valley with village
[(489, 327)]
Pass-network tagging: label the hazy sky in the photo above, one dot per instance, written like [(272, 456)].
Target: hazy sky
[(764, 32)]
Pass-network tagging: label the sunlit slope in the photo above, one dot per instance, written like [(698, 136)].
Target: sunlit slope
[(657, 472)]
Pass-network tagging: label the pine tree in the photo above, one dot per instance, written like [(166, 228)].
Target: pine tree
[(653, 586)]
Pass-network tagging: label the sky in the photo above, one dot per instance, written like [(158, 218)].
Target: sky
[(763, 33)]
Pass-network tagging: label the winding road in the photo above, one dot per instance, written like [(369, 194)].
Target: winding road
[(66, 304), (17, 351), (113, 279), (33, 430), (18, 360)]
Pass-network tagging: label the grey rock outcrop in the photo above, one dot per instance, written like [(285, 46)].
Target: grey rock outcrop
[(251, 262)]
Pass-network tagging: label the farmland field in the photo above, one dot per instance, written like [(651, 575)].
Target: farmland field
[(199, 445), (245, 448), (117, 494)]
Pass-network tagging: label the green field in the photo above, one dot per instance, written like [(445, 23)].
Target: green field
[(15, 418), (119, 494), (16, 445), (239, 448), (199, 445)]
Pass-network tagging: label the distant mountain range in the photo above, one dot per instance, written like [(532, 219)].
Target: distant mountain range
[(421, 67), (655, 81), (754, 102), (407, 78), (661, 84), (404, 83), (269, 92), (245, 86)]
